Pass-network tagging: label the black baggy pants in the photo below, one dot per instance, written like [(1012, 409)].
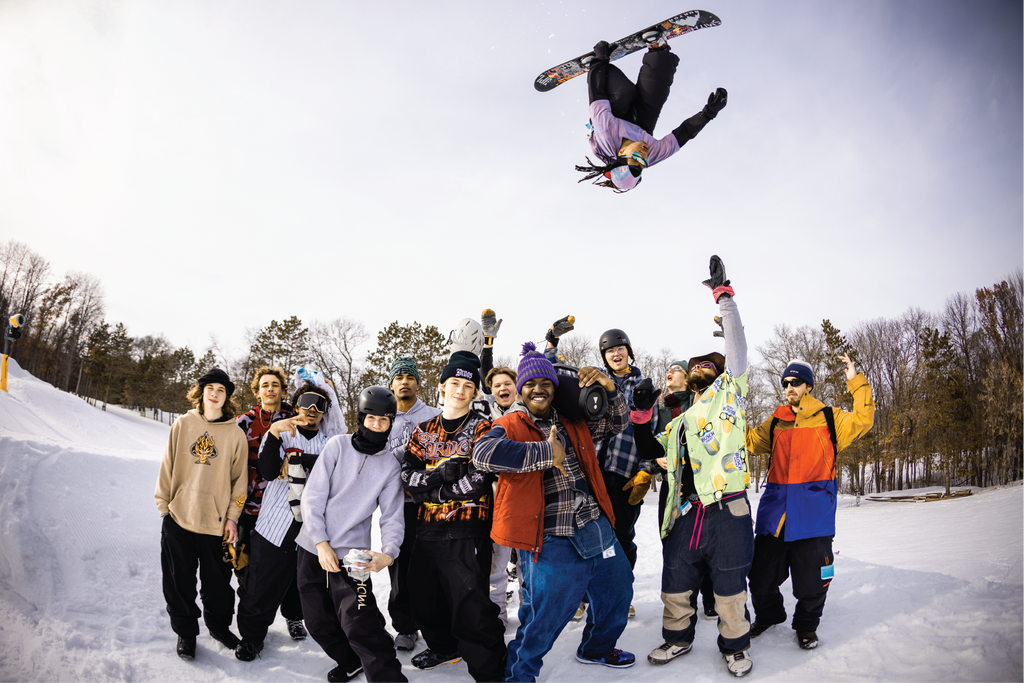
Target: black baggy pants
[(263, 586), (809, 560), (182, 553), (343, 618), (450, 586), (291, 608), (625, 514), (399, 606), (641, 103)]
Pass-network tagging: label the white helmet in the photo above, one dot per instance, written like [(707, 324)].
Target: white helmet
[(468, 335)]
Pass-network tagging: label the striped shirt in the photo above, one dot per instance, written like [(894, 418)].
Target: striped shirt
[(276, 516)]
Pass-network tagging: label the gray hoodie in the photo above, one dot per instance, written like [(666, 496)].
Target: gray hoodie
[(405, 423), (344, 489)]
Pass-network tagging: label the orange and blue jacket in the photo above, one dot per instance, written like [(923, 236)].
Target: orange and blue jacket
[(799, 500)]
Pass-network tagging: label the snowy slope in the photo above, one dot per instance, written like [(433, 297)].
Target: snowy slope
[(926, 591)]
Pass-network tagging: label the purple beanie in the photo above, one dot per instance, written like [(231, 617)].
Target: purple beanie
[(534, 365)]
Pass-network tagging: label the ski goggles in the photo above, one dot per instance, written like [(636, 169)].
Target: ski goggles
[(311, 401)]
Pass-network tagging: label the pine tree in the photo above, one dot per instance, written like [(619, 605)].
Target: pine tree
[(425, 344)]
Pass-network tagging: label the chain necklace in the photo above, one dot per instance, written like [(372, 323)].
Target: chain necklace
[(454, 432)]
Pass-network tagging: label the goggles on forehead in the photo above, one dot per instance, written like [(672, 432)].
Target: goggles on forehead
[(311, 401)]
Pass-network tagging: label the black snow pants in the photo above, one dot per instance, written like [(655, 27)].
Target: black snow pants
[(641, 103), (182, 552), (810, 562), (264, 584), (343, 618), (291, 608), (450, 586), (399, 606)]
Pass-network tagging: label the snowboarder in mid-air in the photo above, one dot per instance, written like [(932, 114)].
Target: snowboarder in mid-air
[(623, 114)]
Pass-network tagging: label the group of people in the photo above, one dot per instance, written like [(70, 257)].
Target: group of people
[(508, 467)]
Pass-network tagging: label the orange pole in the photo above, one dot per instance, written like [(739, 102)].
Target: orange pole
[(3, 373)]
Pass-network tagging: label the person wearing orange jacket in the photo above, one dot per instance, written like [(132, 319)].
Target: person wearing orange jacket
[(796, 517)]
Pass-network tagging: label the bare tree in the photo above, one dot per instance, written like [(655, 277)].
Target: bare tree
[(332, 348)]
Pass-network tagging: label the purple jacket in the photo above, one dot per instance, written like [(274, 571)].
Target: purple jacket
[(609, 132)]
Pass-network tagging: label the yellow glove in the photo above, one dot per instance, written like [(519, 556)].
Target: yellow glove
[(640, 484)]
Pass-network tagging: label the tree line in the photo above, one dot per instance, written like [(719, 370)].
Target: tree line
[(947, 385)]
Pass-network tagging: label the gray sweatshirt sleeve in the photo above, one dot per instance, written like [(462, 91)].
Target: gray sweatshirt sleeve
[(735, 338), (314, 496), (392, 515)]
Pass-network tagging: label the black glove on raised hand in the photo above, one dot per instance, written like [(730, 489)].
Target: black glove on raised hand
[(717, 283), (716, 103), (602, 51), (560, 327), (490, 324), (644, 395)]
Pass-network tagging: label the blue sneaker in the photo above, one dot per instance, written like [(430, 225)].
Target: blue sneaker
[(616, 659)]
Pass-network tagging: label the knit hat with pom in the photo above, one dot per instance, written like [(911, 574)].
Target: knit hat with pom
[(534, 365)]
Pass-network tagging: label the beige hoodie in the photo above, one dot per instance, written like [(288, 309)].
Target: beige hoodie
[(202, 480)]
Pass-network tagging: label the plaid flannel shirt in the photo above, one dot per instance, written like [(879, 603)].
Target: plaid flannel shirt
[(618, 453), (569, 503)]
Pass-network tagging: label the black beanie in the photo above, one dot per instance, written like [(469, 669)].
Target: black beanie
[(463, 364), (217, 376)]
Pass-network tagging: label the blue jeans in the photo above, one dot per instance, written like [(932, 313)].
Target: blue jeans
[(554, 583)]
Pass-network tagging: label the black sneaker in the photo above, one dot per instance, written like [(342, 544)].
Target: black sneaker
[(757, 628), (248, 650), (341, 674), (712, 613), (225, 638), (428, 659), (808, 640), (616, 659), (187, 648), (296, 630)]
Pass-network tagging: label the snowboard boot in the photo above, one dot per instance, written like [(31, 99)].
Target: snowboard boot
[(666, 652), (428, 659), (247, 650), (296, 629), (808, 640), (739, 663), (187, 648), (406, 641), (225, 637)]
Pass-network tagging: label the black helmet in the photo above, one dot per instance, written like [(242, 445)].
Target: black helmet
[(378, 401), (612, 338)]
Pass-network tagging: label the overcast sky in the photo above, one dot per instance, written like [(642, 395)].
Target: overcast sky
[(221, 164)]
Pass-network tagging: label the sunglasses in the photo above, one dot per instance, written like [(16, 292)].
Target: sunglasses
[(311, 401), (787, 383), (706, 364)]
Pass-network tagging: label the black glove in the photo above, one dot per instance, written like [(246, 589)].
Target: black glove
[(491, 326), (716, 103), (602, 51), (455, 469), (644, 395), (717, 279), (717, 283), (560, 327)]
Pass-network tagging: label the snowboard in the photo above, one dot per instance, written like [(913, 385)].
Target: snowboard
[(681, 24)]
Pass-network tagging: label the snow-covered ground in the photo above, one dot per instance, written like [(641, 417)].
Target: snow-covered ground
[(923, 591)]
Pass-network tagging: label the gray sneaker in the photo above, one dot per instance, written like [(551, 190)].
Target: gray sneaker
[(406, 641), (665, 653), (739, 663)]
